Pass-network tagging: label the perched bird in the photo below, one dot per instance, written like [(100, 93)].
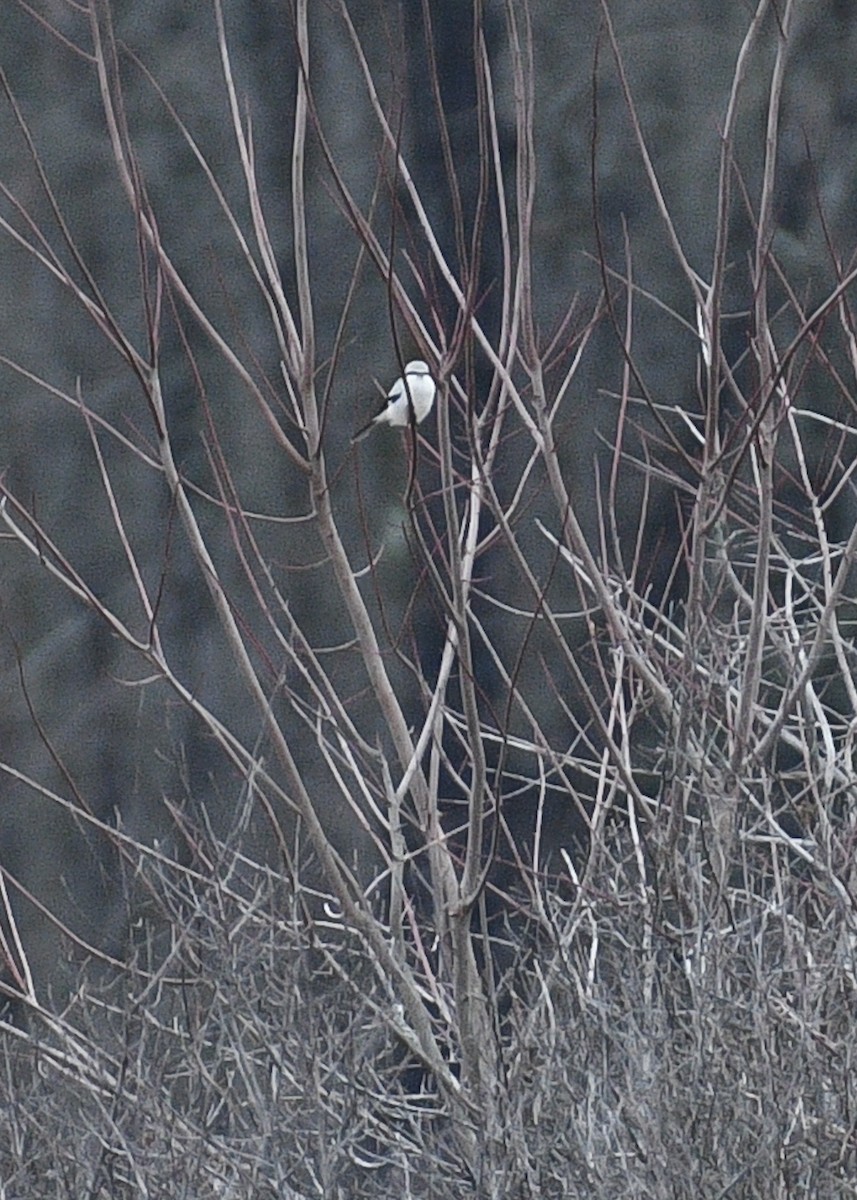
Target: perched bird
[(414, 390)]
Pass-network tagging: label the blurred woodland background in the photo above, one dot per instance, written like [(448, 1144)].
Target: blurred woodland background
[(90, 729), (72, 713)]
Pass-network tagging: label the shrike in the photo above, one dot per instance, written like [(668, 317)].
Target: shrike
[(415, 390)]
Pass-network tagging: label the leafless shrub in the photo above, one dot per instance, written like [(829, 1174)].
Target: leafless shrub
[(660, 1011)]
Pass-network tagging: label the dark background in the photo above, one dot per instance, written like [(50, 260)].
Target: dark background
[(70, 718)]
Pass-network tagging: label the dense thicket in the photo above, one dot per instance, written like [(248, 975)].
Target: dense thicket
[(481, 793)]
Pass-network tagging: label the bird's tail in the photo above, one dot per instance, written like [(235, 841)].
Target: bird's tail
[(363, 431)]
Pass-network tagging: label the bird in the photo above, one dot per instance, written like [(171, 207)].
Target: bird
[(410, 398)]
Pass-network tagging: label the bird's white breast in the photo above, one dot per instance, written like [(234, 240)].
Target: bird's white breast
[(421, 388)]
